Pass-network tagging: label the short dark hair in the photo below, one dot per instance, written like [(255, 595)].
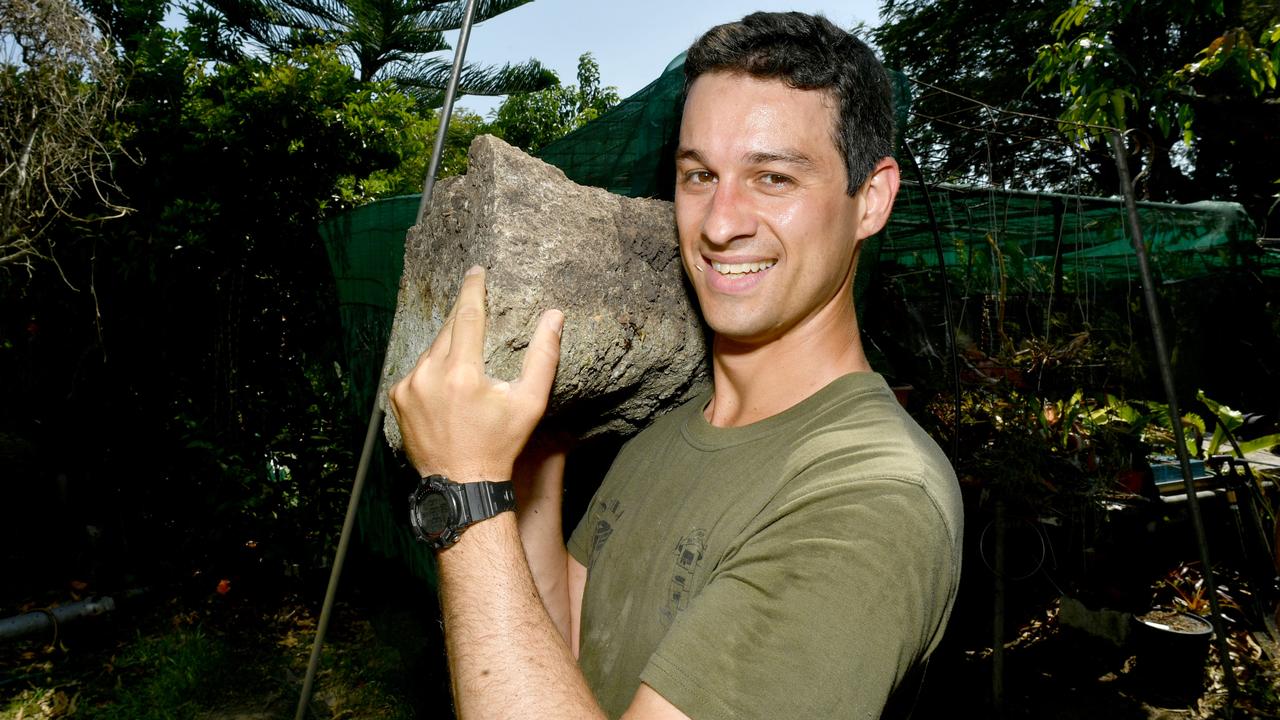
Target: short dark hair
[(808, 52)]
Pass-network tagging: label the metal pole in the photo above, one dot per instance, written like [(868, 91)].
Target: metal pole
[(375, 416), (331, 592), (998, 617), (946, 302), (446, 112), (1175, 416)]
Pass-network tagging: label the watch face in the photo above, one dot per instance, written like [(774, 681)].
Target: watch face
[(433, 512)]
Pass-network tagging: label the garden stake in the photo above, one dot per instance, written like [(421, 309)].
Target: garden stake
[(375, 416), (946, 300), (446, 112), (1166, 376), (998, 615)]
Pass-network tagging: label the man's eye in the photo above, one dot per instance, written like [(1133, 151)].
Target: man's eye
[(776, 180), (699, 177)]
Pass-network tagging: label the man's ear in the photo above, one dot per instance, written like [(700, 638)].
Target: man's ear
[(878, 193)]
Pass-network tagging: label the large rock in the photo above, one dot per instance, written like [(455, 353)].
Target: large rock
[(632, 347)]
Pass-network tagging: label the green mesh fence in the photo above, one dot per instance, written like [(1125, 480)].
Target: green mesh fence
[(366, 252), (996, 244), (1038, 242), (630, 149)]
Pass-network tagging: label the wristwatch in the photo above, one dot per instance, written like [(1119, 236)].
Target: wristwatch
[(440, 509)]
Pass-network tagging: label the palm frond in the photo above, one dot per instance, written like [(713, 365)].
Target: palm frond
[(448, 16), (384, 39), (432, 74)]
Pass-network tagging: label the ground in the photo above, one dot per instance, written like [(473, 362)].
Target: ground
[(203, 664), (215, 660)]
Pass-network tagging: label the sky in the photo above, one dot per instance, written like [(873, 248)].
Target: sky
[(632, 40)]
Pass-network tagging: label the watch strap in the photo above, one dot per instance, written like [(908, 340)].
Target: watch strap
[(482, 500)]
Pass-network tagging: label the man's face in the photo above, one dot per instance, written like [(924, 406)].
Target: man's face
[(761, 206)]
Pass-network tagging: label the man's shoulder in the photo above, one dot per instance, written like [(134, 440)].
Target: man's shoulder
[(866, 439), (863, 421)]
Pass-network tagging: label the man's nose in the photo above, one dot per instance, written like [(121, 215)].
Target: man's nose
[(729, 215)]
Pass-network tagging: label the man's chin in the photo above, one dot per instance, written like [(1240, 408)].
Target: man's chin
[(740, 334)]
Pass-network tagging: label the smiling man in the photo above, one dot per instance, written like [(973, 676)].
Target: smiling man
[(786, 545)]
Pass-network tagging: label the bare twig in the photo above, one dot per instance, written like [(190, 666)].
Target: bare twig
[(59, 88)]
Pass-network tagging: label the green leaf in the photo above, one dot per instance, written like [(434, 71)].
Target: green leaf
[(1215, 442), (1265, 442), (1233, 419)]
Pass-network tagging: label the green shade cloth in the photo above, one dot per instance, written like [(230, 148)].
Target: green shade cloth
[(996, 243)]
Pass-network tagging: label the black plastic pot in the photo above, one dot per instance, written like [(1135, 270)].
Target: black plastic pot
[(1169, 660)]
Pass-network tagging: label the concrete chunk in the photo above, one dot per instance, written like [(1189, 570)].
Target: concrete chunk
[(633, 345)]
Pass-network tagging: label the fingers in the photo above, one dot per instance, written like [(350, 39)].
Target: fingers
[(443, 341), (541, 358), (452, 415), (467, 342), (440, 345)]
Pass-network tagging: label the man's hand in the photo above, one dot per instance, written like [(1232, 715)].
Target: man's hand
[(456, 420)]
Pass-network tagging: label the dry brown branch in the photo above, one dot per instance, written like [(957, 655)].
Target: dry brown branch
[(59, 89)]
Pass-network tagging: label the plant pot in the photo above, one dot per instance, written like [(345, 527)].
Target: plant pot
[(1170, 652)]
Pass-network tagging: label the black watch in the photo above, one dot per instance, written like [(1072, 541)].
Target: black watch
[(440, 509)]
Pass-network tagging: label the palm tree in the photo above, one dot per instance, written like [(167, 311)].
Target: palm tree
[(397, 40)]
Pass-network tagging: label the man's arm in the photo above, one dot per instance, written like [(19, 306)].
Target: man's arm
[(539, 484), (507, 657)]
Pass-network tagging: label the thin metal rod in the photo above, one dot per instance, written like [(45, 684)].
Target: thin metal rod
[(446, 112), (998, 615), (348, 524), (1175, 416), (946, 301), (376, 415)]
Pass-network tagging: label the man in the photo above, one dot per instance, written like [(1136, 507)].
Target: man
[(785, 546)]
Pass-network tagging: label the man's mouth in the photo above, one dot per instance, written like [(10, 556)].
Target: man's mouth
[(748, 268)]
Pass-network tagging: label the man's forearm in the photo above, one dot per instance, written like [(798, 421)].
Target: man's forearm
[(541, 532), (507, 658)]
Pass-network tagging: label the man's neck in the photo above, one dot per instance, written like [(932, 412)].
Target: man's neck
[(753, 382)]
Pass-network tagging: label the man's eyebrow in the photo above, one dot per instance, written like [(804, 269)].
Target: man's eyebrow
[(760, 157), (790, 157), (689, 154)]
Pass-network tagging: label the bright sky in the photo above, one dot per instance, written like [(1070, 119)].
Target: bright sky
[(632, 40)]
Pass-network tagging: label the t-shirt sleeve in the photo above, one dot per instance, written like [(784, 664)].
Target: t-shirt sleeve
[(580, 539), (820, 610)]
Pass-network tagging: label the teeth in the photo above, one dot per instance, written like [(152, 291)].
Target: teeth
[(742, 268)]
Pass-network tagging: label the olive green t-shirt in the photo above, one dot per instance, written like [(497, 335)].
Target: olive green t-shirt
[(796, 567)]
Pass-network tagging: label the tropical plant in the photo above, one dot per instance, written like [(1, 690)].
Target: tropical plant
[(1228, 422), (533, 120), (207, 324), (1183, 76), (414, 149), (968, 61), (1149, 420), (396, 40), (990, 77)]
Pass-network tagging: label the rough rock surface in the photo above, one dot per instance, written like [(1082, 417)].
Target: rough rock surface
[(633, 346)]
